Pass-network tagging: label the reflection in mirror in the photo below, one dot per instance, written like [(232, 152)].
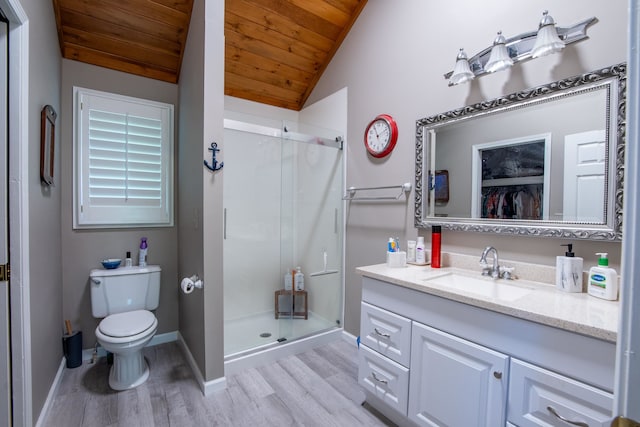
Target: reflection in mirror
[(546, 161), (509, 179)]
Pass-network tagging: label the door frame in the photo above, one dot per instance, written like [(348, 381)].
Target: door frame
[(19, 211), (627, 386)]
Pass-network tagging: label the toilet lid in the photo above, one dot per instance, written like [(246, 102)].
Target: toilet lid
[(127, 324)]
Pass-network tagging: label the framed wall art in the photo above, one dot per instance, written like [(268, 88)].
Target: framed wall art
[(47, 144)]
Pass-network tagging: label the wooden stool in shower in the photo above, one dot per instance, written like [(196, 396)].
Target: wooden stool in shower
[(294, 294)]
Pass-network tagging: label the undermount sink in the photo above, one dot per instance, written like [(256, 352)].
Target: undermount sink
[(486, 287)]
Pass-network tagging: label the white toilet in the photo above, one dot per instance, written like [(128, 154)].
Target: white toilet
[(124, 296)]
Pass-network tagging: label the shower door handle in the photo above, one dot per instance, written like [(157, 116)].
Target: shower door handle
[(224, 224)]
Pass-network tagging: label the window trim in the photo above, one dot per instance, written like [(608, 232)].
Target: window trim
[(82, 220)]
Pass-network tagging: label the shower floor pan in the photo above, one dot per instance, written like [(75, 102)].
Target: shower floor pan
[(262, 330)]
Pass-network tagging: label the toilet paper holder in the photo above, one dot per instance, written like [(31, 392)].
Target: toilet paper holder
[(188, 284)]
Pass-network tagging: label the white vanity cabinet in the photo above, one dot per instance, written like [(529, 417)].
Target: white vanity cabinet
[(470, 366), (455, 382)]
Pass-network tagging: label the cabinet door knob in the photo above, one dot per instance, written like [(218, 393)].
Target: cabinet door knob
[(575, 423), (382, 334), (497, 375)]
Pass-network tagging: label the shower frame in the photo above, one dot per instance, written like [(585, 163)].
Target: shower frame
[(293, 145)]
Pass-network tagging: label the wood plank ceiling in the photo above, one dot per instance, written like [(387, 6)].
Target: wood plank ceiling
[(275, 50)]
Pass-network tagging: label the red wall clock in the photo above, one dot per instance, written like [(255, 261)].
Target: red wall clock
[(381, 136)]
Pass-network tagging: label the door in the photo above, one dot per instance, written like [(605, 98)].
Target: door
[(454, 382), (252, 238), (627, 389), (584, 176), (5, 377), (282, 210)]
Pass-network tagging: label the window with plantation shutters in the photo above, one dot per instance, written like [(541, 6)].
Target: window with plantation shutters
[(124, 161)]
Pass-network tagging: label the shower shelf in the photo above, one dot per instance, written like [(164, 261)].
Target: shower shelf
[(351, 192), (292, 311)]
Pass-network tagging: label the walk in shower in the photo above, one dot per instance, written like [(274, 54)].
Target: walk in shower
[(283, 209)]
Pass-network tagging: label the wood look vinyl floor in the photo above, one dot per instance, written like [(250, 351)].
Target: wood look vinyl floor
[(315, 388)]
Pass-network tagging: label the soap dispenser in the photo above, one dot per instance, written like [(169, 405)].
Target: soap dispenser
[(603, 280), (569, 271)]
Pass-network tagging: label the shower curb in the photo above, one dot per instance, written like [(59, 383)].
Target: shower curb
[(288, 348)]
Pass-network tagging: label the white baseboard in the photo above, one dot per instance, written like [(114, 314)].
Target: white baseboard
[(52, 393), (207, 387), (350, 338)]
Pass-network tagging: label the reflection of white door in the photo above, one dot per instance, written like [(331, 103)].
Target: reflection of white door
[(584, 176), (5, 377)]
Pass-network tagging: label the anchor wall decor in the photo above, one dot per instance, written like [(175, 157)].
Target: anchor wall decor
[(214, 166)]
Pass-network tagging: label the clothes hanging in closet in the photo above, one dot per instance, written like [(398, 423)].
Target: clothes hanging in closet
[(512, 202)]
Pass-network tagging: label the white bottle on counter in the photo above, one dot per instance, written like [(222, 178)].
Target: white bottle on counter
[(420, 255), (603, 280), (299, 279), (411, 251), (569, 271)]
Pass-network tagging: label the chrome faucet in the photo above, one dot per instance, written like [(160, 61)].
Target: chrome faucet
[(486, 270)]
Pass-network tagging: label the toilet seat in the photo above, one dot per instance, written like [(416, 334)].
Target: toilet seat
[(128, 324)]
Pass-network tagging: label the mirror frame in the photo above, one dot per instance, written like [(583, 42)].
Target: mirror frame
[(614, 75)]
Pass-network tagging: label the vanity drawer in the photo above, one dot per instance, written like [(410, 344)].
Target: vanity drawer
[(535, 393), (384, 378), (386, 332)]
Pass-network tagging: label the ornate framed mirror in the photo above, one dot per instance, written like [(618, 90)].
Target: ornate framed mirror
[(546, 161)]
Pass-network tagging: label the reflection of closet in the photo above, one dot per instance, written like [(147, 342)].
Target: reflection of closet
[(511, 178), (512, 201)]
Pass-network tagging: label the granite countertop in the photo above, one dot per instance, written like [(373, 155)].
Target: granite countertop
[(575, 312)]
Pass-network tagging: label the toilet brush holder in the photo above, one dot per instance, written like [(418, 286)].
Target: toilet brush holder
[(72, 348)]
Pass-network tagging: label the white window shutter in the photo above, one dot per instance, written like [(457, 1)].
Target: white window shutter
[(124, 161)]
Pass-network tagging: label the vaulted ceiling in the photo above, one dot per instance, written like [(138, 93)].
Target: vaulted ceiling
[(275, 50)]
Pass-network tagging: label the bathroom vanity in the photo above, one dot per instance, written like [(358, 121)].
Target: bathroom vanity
[(450, 347)]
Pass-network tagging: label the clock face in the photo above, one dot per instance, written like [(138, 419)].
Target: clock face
[(381, 136)]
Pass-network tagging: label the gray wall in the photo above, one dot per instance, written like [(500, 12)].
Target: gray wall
[(82, 250), (190, 141), (45, 270), (213, 130), (397, 68), (200, 216)]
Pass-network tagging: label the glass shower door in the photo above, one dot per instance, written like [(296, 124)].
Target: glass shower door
[(251, 260), (311, 226), (283, 209)]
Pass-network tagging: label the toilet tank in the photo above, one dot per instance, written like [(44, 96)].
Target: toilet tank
[(124, 289)]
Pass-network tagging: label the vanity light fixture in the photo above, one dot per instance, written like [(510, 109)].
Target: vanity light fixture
[(547, 40), (461, 72), (519, 48), (499, 58)]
